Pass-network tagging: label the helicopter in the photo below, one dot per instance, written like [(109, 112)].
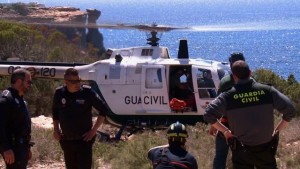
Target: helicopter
[(137, 83)]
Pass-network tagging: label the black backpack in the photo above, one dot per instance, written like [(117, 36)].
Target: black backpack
[(165, 161)]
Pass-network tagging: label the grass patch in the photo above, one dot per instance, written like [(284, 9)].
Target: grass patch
[(132, 153)]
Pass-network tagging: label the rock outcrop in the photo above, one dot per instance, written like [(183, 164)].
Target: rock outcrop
[(71, 21), (94, 36)]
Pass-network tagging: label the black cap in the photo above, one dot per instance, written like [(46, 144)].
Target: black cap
[(236, 56)]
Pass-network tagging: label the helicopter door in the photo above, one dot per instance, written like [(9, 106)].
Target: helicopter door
[(154, 93), (205, 89)]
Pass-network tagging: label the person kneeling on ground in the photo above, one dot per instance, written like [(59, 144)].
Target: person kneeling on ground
[(173, 155)]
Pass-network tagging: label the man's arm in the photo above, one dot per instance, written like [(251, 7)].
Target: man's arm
[(220, 127), (98, 123), (280, 126), (91, 133), (215, 110), (283, 104), (55, 114), (99, 105), (8, 154), (56, 130), (4, 145)]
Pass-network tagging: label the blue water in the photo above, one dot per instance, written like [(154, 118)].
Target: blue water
[(267, 32)]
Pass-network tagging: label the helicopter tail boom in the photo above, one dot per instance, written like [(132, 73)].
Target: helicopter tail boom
[(37, 69)]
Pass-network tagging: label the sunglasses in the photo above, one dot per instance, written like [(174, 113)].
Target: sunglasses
[(73, 81), (28, 81)]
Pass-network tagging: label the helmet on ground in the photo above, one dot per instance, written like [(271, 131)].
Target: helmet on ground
[(177, 132), (236, 56)]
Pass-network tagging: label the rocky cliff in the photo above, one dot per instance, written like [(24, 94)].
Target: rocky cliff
[(71, 21)]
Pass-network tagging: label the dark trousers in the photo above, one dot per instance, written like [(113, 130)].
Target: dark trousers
[(221, 152), (21, 152), (250, 157), (77, 153)]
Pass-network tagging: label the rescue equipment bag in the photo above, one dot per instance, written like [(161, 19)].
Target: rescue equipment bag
[(177, 105)]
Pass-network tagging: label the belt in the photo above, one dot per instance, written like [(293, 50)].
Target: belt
[(71, 138), (260, 147), (20, 140)]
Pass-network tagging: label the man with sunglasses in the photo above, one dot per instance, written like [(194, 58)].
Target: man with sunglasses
[(15, 122), (72, 120)]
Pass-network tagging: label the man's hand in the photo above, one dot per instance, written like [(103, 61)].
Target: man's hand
[(57, 135), (56, 130), (9, 156), (212, 131), (29, 154), (91, 133), (88, 136), (227, 134)]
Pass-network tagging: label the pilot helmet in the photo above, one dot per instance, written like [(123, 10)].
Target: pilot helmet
[(177, 132), (236, 56)]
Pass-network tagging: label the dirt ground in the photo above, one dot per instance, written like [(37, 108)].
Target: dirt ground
[(53, 165)]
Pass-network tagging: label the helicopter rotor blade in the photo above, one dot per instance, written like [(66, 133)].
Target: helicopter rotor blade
[(72, 24)]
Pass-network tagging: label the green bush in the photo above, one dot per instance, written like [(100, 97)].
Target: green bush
[(21, 8), (289, 86), (45, 148), (38, 44)]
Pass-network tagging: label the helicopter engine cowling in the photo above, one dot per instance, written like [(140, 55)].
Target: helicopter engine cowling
[(183, 52)]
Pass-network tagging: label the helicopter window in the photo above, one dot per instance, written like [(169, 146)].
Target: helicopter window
[(164, 53), (114, 72), (159, 75), (108, 53), (147, 52), (153, 78), (206, 86)]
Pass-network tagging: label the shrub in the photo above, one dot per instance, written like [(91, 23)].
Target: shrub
[(21, 8), (289, 86)]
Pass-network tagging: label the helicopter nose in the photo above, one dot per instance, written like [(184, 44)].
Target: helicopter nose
[(183, 52)]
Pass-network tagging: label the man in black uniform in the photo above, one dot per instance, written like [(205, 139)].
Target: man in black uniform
[(221, 145), (15, 122), (173, 155), (72, 120), (249, 108)]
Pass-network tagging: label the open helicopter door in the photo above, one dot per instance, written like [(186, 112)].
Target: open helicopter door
[(154, 93), (204, 86)]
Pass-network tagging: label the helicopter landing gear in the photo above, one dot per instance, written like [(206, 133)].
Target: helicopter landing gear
[(104, 137), (120, 132)]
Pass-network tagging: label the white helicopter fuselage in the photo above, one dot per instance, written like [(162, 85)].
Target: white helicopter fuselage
[(136, 82)]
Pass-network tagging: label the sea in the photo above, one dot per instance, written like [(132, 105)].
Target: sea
[(266, 31)]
